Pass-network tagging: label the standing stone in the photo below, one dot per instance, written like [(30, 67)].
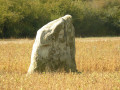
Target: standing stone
[(54, 47)]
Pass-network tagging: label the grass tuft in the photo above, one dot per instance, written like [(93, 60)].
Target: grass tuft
[(97, 58)]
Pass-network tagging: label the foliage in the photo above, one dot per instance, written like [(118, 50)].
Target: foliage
[(22, 18)]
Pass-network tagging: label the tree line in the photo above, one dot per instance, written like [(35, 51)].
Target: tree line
[(22, 18)]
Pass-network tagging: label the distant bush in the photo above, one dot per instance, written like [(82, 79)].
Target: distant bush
[(22, 18), (93, 20)]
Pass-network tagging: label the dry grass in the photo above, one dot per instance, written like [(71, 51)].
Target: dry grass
[(97, 58)]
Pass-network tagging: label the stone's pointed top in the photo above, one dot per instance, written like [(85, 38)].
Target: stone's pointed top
[(67, 17)]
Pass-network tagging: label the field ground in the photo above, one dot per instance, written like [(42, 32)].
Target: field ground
[(97, 58)]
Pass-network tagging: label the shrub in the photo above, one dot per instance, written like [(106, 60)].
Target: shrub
[(22, 18)]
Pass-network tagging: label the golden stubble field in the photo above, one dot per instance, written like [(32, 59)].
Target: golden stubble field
[(97, 58)]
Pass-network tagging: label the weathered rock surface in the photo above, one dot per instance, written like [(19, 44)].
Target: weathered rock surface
[(54, 47)]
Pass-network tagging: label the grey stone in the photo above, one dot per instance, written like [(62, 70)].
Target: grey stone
[(54, 47)]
